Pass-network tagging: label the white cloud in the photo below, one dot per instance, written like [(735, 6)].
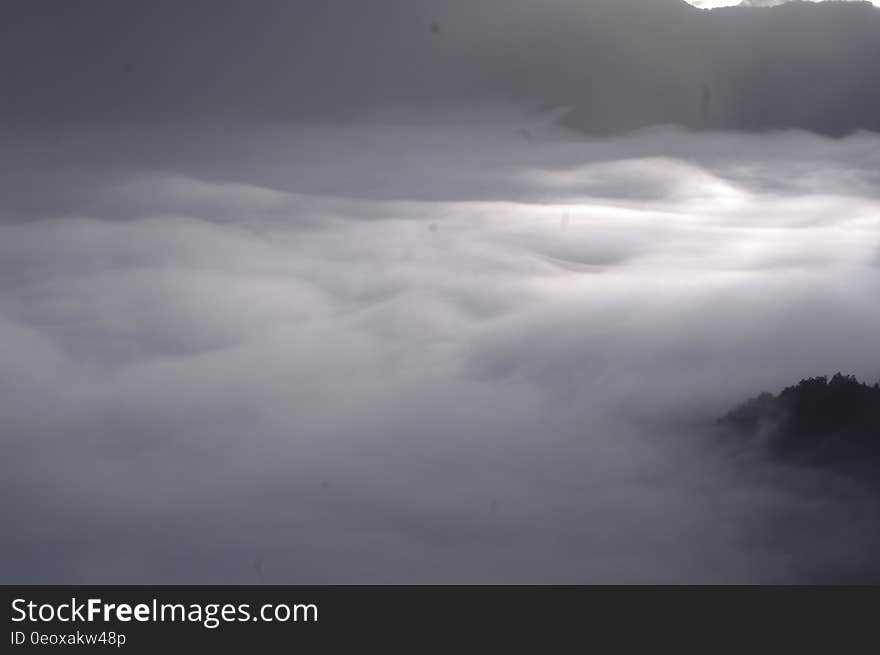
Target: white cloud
[(426, 354), (712, 4)]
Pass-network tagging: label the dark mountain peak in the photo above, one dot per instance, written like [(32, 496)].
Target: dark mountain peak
[(825, 421)]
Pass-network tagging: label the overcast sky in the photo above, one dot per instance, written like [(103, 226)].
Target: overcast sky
[(616, 64)]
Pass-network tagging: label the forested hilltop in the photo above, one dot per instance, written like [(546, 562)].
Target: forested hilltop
[(820, 421)]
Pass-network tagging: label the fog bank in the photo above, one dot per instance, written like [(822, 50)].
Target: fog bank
[(400, 353)]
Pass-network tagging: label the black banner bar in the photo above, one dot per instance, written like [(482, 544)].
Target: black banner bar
[(147, 619)]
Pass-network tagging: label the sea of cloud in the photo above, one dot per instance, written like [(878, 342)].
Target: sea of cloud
[(461, 352)]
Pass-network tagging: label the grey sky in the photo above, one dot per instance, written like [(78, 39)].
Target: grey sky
[(620, 64)]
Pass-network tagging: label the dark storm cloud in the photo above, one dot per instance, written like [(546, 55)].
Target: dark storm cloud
[(619, 64), (424, 353)]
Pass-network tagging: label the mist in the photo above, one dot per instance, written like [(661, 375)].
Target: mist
[(473, 347)]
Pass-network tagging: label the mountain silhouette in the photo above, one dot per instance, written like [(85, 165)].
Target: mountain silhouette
[(820, 421)]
